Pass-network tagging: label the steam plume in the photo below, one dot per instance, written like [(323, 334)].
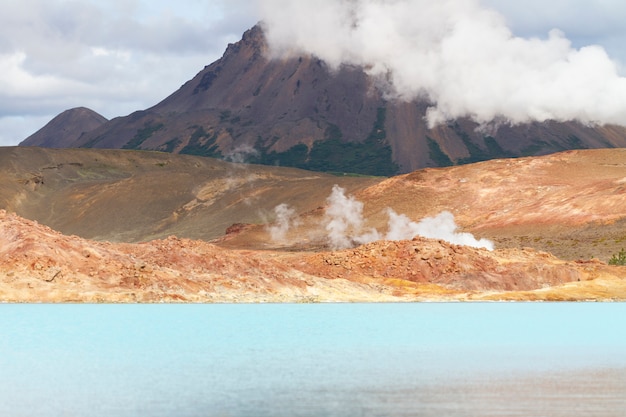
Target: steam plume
[(285, 219), (344, 223), (457, 54), (240, 154), (441, 227)]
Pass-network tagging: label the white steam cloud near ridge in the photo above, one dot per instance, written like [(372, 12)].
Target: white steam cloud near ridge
[(285, 219), (241, 153), (458, 54), (344, 225), (344, 221), (441, 227)]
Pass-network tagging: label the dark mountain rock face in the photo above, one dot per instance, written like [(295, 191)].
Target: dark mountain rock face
[(65, 129), (297, 112)]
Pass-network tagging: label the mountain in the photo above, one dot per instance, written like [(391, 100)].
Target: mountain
[(66, 128), (297, 112)]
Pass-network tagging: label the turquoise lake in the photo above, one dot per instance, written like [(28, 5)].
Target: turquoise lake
[(274, 360)]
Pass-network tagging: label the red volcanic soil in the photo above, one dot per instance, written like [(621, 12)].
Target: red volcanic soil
[(38, 264)]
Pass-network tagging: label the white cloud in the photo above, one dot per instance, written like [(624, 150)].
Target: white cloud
[(458, 54), (114, 56), (584, 22), (17, 81), (117, 56)]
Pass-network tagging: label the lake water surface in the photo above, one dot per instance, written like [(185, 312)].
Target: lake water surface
[(450, 359)]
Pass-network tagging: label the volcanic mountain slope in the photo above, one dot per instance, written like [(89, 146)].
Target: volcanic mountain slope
[(296, 112)]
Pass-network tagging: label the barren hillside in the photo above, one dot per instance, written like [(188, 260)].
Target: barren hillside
[(88, 225), (38, 264)]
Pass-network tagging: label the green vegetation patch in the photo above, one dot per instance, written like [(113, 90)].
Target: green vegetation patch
[(492, 149), (574, 142), (170, 145), (207, 79), (439, 157), (536, 148), (539, 147), (373, 156), (142, 135), (197, 146), (618, 259)]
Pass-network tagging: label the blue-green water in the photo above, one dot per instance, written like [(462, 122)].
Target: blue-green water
[(313, 360)]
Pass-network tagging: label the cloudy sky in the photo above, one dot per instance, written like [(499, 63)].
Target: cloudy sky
[(117, 56)]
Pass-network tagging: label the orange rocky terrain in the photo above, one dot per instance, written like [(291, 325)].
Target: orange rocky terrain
[(554, 222), (40, 265)]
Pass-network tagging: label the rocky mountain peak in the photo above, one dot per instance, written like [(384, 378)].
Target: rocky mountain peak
[(295, 111)]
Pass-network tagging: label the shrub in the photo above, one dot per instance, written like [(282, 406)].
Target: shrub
[(619, 258)]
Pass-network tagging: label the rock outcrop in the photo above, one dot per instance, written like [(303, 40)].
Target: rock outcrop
[(38, 264)]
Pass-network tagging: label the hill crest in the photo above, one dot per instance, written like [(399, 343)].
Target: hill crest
[(66, 128)]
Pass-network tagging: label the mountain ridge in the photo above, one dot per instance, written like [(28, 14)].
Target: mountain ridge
[(298, 112)]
